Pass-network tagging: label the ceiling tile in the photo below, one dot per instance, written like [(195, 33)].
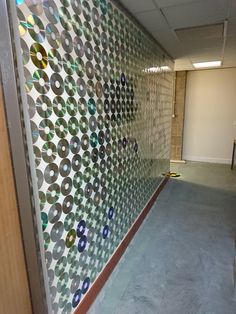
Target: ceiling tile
[(136, 6), (168, 3), (196, 13), (152, 20)]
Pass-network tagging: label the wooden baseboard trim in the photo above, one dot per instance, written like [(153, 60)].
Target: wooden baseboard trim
[(94, 290)]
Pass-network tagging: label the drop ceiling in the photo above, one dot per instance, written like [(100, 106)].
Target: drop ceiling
[(190, 30)]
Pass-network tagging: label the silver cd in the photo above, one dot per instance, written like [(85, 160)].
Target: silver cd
[(99, 90), (67, 204), (88, 50), (81, 87), (85, 142), (28, 80), (79, 47), (96, 36), (70, 85), (54, 213), (89, 70), (63, 148), (76, 6), (95, 17), (65, 167), (65, 18), (57, 231), (51, 11), (75, 145), (76, 163), (36, 28), (58, 249), (34, 131), (51, 173), (92, 124), (44, 106), (66, 41), (79, 67), (31, 106), (57, 84), (53, 36), (49, 152), (68, 64), (41, 81), (24, 51), (39, 178), (37, 156), (77, 25), (55, 61), (66, 186)]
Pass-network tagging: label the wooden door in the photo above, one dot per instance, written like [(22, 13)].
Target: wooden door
[(14, 289)]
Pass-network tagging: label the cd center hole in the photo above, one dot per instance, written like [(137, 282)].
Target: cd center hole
[(41, 81), (47, 130), (57, 84), (56, 61), (36, 28), (49, 152), (67, 186), (59, 106), (63, 148), (53, 193), (67, 42), (65, 167), (61, 128), (44, 107), (51, 10), (53, 35), (68, 204), (73, 125), (39, 56)]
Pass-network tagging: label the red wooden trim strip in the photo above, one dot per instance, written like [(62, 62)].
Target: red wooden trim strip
[(93, 292)]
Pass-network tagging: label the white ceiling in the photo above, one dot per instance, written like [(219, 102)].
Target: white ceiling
[(163, 19)]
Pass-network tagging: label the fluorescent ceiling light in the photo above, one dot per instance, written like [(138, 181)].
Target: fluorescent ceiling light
[(163, 68), (208, 64)]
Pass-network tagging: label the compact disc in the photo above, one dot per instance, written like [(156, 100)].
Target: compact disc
[(55, 61), (36, 28), (61, 128), (70, 85), (51, 11), (66, 41), (44, 106), (59, 106), (41, 81), (69, 64), (53, 36), (57, 84), (49, 152), (46, 130)]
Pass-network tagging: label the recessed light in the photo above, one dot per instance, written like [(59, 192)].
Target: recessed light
[(163, 68), (208, 64)]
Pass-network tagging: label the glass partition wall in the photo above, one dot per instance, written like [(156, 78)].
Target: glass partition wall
[(95, 91)]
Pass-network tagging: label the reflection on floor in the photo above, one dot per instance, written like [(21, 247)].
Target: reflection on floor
[(181, 260)]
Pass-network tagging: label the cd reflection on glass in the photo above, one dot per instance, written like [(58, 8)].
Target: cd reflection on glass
[(31, 106), (36, 28), (57, 84), (38, 56), (70, 85), (37, 156), (41, 81), (66, 41), (44, 106), (25, 52), (34, 132), (28, 80), (22, 23), (51, 11), (53, 36), (54, 59)]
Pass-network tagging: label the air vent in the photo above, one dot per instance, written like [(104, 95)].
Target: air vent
[(200, 32)]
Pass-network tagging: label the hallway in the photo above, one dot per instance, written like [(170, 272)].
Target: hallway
[(190, 234)]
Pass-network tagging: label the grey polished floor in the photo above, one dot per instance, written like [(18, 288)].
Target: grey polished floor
[(181, 260)]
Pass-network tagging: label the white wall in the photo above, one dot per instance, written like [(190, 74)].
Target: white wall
[(210, 117)]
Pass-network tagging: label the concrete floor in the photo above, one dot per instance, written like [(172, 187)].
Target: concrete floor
[(181, 260)]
